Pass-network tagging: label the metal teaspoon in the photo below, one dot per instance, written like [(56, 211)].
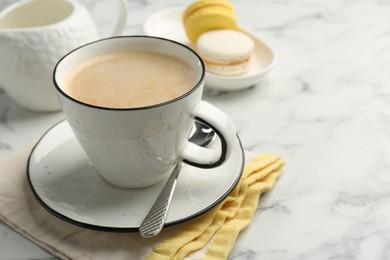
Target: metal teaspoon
[(155, 219)]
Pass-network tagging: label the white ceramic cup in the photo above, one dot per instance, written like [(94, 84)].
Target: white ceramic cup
[(138, 147)]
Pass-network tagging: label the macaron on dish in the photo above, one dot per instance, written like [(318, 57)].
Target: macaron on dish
[(233, 72), (206, 15), (212, 26), (225, 52)]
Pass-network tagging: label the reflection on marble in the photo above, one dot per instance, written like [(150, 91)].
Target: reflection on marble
[(325, 108)]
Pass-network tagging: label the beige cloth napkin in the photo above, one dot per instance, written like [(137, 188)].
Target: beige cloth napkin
[(194, 240)]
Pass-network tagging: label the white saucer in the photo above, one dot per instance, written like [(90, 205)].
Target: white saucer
[(65, 183), (167, 23)]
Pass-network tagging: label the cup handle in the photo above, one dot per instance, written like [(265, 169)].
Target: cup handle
[(121, 22), (223, 126)]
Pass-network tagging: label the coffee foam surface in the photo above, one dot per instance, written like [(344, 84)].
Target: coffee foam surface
[(128, 79)]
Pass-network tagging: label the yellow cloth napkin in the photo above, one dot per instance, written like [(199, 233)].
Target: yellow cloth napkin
[(210, 236)]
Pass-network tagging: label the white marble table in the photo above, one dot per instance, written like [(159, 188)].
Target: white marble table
[(325, 108)]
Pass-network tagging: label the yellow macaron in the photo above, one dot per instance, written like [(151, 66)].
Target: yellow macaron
[(206, 15)]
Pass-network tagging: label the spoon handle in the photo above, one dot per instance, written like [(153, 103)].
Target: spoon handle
[(155, 219)]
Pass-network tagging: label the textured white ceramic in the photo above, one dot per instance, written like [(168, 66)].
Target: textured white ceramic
[(168, 23), (34, 35), (138, 147), (68, 186)]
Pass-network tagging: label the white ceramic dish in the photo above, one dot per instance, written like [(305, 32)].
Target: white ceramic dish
[(65, 183), (167, 23)]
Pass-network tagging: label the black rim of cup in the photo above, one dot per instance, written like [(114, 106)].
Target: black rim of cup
[(196, 86)]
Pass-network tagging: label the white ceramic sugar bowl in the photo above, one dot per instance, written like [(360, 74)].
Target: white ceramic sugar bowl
[(34, 35)]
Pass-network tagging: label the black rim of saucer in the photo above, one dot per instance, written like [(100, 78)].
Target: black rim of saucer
[(123, 229)]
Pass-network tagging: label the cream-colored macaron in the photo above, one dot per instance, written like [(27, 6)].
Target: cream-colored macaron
[(225, 52)]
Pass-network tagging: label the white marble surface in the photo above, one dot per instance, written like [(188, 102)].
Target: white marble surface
[(325, 109)]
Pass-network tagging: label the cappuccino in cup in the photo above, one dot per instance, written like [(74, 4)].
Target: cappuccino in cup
[(131, 102), (128, 79)]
